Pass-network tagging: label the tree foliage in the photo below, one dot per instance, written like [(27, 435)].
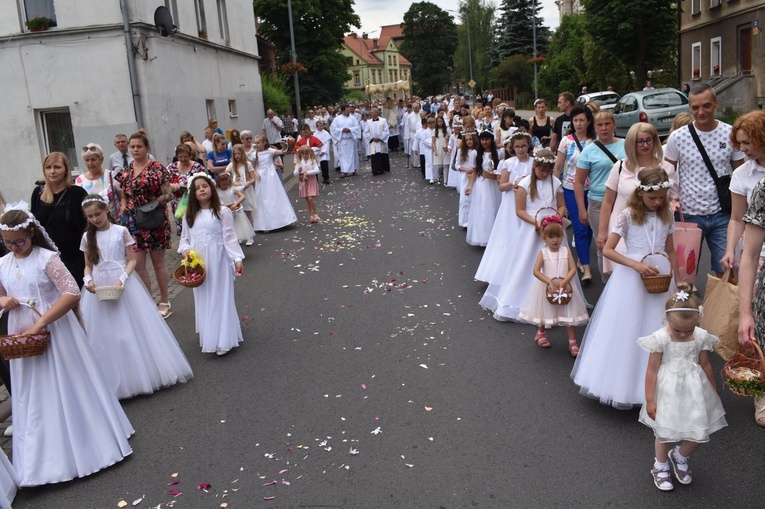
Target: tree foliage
[(275, 93), (319, 27), (514, 71), (476, 17), (566, 67), (429, 33), (640, 35), (514, 30)]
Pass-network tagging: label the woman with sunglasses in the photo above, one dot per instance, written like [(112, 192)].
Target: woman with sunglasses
[(97, 179), (643, 149), (57, 204)]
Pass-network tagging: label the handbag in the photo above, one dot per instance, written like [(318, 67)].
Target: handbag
[(721, 314), (150, 216), (687, 241), (721, 183)]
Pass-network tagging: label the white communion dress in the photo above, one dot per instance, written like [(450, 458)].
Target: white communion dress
[(67, 422), (484, 204), (135, 348), (687, 406), (274, 208), (469, 162), (214, 240), (611, 366)]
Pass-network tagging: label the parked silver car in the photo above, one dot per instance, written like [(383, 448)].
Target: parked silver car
[(657, 107), (606, 100)]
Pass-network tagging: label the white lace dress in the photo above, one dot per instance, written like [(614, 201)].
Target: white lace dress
[(271, 201), (214, 240), (498, 250), (465, 199), (135, 348), (67, 422), (484, 205), (611, 366), (687, 406)]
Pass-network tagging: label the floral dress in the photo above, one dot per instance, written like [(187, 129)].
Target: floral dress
[(139, 191), (755, 215), (176, 177)]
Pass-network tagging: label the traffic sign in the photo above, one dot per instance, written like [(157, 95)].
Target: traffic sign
[(471, 83)]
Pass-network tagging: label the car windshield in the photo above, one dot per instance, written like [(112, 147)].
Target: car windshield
[(606, 99), (664, 100)]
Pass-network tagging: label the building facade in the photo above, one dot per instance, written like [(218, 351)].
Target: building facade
[(567, 7), (104, 69), (374, 62), (721, 43)]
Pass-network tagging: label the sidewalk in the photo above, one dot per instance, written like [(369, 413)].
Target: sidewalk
[(172, 260)]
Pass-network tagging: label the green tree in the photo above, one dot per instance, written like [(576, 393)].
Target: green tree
[(476, 17), (275, 93), (565, 68), (319, 29), (514, 30), (428, 30), (514, 71), (641, 35)]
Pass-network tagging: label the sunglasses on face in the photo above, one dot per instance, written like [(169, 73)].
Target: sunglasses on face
[(89, 148), (640, 143), (16, 243)]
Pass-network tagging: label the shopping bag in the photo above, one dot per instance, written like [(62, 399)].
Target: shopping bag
[(720, 315), (180, 210), (687, 240)]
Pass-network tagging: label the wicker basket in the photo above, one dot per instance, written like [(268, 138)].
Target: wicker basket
[(744, 373), (660, 283), (181, 276), (18, 346), (112, 292), (536, 216), (562, 296)]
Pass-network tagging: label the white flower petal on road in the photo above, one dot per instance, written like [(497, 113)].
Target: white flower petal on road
[(377, 430), (424, 366)]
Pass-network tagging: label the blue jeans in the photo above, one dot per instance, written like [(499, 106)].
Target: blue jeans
[(582, 233), (714, 230)]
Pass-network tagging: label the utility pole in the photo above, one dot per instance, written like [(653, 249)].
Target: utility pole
[(293, 56)]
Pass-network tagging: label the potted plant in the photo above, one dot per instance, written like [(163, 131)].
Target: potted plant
[(716, 70), (696, 72), (202, 34), (39, 23)]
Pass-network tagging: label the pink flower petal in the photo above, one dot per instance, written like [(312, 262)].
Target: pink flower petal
[(174, 493), (173, 483), (203, 486)]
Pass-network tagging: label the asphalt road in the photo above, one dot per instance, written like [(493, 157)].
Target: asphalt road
[(363, 334)]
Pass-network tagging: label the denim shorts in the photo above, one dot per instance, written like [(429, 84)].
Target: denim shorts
[(714, 230)]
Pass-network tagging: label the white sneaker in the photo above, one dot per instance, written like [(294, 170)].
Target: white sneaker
[(8, 431), (221, 353), (249, 242)]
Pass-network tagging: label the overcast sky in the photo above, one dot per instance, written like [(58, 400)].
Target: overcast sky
[(375, 13)]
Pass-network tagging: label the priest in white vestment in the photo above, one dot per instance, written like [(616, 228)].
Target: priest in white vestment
[(376, 134), (346, 132)]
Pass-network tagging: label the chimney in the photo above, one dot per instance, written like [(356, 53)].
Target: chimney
[(365, 35)]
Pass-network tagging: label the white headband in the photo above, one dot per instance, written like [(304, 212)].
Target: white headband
[(695, 310), (655, 187), (95, 199), (24, 207), (544, 160), (195, 176)]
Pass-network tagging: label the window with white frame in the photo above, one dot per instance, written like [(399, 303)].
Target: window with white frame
[(172, 6), (57, 134), (696, 60), (715, 56), (356, 78), (210, 105), (39, 9), (714, 3), (695, 6), (223, 21), (199, 9)]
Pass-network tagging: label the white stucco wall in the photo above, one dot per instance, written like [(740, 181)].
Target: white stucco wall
[(86, 71)]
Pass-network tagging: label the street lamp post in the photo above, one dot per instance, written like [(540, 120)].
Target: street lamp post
[(293, 56), (534, 35)]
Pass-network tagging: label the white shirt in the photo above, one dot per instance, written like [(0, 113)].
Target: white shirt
[(698, 194)]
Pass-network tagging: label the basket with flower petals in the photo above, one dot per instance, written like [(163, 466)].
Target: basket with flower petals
[(744, 373), (18, 346), (191, 272)]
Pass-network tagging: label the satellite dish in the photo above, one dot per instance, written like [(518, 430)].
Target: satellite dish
[(163, 20)]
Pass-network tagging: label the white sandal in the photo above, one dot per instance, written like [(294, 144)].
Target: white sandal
[(759, 412), (167, 311)]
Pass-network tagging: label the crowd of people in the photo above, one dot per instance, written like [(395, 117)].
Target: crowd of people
[(519, 183)]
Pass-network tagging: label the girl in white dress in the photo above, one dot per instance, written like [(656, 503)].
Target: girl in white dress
[(440, 154), (539, 195), (67, 422), (136, 349), (234, 199), (465, 163), (9, 482), (306, 169), (507, 222), (452, 176), (245, 177), (611, 366), (274, 208), (208, 229), (554, 269), (681, 401), (484, 192), (425, 148)]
